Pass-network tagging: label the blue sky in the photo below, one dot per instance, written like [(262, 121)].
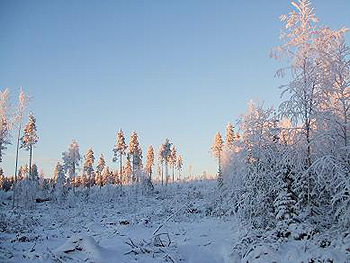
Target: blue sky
[(167, 69)]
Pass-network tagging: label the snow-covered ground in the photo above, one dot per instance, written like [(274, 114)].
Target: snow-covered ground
[(111, 228), (177, 223)]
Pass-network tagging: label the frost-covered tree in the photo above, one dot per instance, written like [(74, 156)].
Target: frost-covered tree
[(22, 103), (173, 157), (136, 154), (88, 165), (105, 174), (166, 156), (119, 149), (127, 171), (216, 149), (179, 164), (71, 160), (149, 161), (29, 138), (4, 122), (160, 163), (229, 137), (59, 182), (101, 163), (35, 174)]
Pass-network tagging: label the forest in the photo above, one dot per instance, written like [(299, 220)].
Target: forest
[(281, 192)]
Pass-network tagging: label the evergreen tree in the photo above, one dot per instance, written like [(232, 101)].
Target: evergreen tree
[(149, 161), (166, 155), (99, 168), (173, 157), (216, 149), (160, 163), (119, 149), (5, 122), (88, 165), (29, 138), (127, 171), (136, 154), (179, 164), (229, 137), (60, 181), (105, 175), (71, 159)]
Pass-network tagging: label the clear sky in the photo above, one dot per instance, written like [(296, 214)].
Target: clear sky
[(167, 69)]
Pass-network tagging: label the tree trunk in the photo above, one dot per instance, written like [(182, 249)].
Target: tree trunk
[(173, 173), (166, 173), (30, 161), (162, 174), (16, 166)]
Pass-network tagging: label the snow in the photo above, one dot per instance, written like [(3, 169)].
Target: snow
[(172, 224), (98, 231)]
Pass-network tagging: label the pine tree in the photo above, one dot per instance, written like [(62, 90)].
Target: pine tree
[(136, 154), (127, 170), (229, 137), (71, 159), (166, 155), (35, 174), (216, 149), (160, 163), (5, 123), (105, 175), (179, 164), (173, 157), (149, 161), (29, 138), (101, 163), (119, 149), (22, 102), (59, 180), (88, 165)]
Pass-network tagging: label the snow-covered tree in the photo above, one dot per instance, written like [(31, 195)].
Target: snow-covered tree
[(105, 174), (179, 164), (119, 149), (101, 163), (29, 138), (88, 164), (216, 149), (160, 163), (149, 161), (173, 157), (22, 103), (127, 171), (229, 137), (4, 122), (136, 154), (166, 156), (60, 181), (71, 159)]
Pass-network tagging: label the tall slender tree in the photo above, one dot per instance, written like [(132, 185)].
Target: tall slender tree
[(136, 154), (101, 163), (119, 149), (216, 149), (229, 136), (173, 157), (71, 160), (179, 164), (166, 155), (88, 165), (29, 139), (149, 161)]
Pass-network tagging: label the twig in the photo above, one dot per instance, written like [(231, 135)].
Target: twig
[(161, 225)]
